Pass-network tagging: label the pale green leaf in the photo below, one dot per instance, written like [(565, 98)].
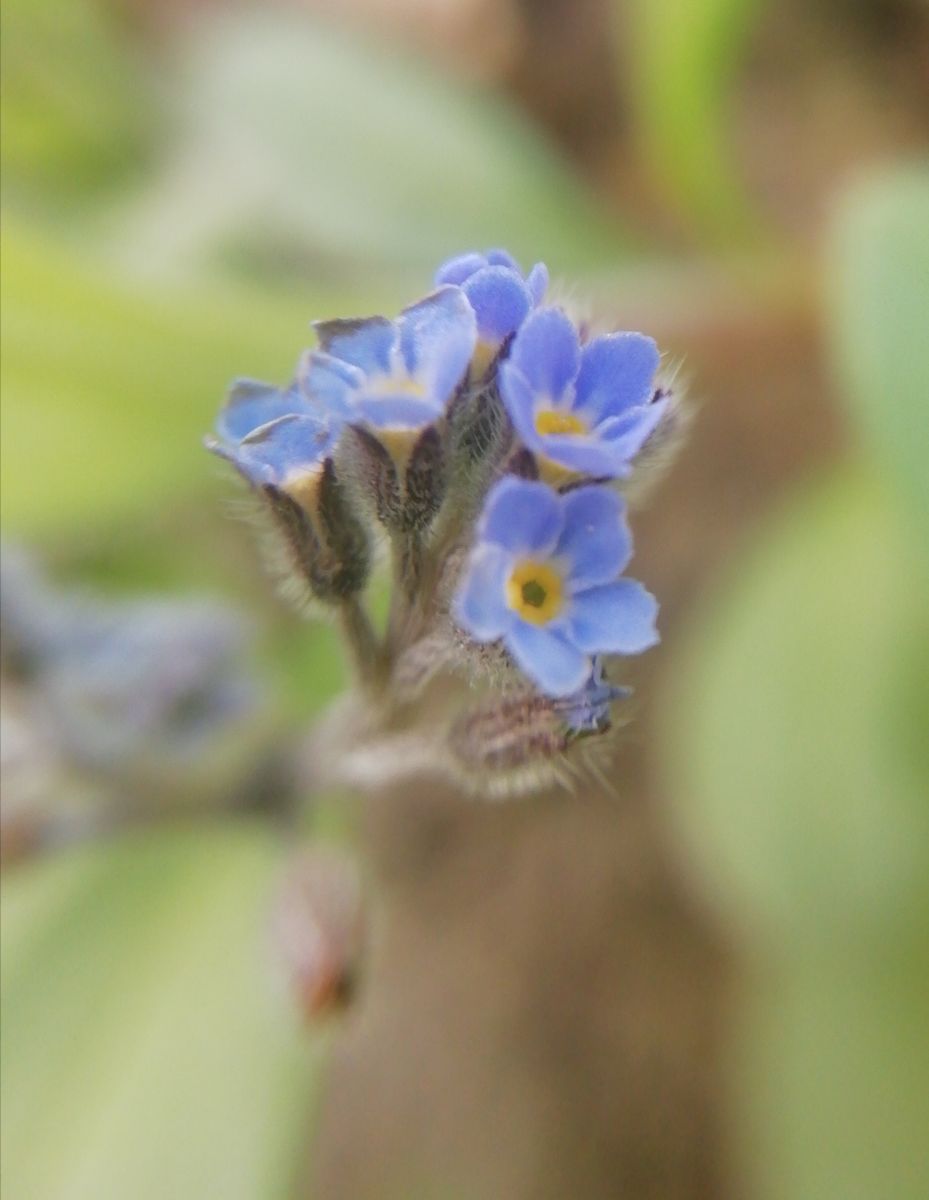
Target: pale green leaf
[(108, 388), (77, 107), (316, 148), (878, 289), (801, 777), (149, 1049), (834, 1059), (682, 58)]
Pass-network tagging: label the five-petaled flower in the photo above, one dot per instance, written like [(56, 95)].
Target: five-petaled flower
[(397, 375), (280, 436), (498, 292), (543, 578), (581, 410)]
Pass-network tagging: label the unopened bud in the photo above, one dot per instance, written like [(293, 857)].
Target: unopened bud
[(511, 744)]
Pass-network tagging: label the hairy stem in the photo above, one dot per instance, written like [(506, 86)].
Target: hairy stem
[(408, 560), (365, 649)]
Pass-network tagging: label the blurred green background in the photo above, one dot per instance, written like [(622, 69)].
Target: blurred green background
[(185, 186)]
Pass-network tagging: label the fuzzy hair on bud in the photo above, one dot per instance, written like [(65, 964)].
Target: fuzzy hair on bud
[(478, 428), (370, 471), (504, 738), (425, 482), (663, 444), (327, 550)]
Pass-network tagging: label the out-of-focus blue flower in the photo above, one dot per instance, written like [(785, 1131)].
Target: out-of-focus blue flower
[(588, 710), (400, 374), (586, 409), (122, 683), (543, 577), (498, 292), (281, 436)]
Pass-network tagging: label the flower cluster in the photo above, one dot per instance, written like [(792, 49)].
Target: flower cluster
[(492, 442)]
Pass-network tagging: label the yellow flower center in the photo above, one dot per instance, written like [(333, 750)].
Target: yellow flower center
[(396, 384), (535, 592), (554, 420), (484, 354), (303, 485), (398, 441)]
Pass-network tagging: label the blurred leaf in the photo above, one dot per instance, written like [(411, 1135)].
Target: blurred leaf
[(76, 108), (147, 1050), (802, 783), (108, 389), (681, 60), (322, 148), (837, 1066), (878, 288)]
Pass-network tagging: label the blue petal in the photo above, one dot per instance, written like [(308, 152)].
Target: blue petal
[(522, 516), (501, 302), (290, 444), (437, 339), (617, 372), (551, 662), (502, 258), (627, 436), (617, 618), (328, 382), (229, 452), (519, 401), (366, 342), (616, 429), (480, 606), (459, 268), (251, 404), (596, 541), (547, 351), (537, 283), (396, 409), (585, 455)]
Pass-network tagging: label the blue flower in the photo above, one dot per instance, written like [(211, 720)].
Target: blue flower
[(400, 374), (587, 410), (588, 710), (499, 294), (282, 436), (543, 577)]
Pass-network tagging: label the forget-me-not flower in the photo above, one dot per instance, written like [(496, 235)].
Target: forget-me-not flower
[(282, 436), (400, 375), (543, 577), (587, 410), (501, 296)]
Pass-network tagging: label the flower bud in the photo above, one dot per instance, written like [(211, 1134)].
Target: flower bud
[(507, 734)]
